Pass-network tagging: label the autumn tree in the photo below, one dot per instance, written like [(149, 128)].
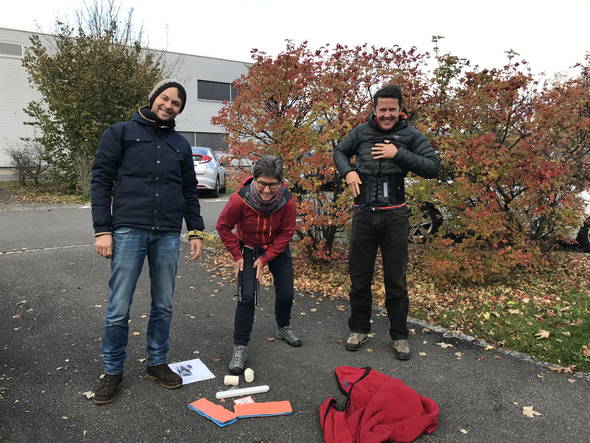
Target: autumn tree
[(299, 105), (90, 75), (513, 151)]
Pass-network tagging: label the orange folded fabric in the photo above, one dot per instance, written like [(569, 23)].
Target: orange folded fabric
[(263, 409), (216, 413)]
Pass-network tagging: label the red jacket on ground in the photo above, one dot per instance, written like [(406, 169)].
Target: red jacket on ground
[(272, 233), (378, 409)]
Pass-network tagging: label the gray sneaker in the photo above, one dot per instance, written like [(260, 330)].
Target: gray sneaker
[(355, 341), (402, 349), (286, 333), (238, 359)]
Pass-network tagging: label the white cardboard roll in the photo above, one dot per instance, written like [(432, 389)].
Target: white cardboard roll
[(248, 375), (242, 391)]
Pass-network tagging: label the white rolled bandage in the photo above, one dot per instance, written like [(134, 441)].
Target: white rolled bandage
[(231, 380), (242, 391), (248, 375)]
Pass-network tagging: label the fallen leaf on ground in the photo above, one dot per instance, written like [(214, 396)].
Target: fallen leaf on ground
[(136, 333), (542, 334), (586, 351), (425, 330), (422, 354), (143, 315), (528, 411), (444, 345), (313, 310), (488, 348), (458, 354), (412, 331), (88, 394), (341, 307), (563, 369), (339, 341), (571, 380), (216, 359), (480, 357), (17, 316), (463, 431), (370, 335), (270, 339), (141, 360), (540, 376), (369, 350)]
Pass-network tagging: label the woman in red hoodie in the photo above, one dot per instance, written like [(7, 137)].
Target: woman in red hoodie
[(263, 213)]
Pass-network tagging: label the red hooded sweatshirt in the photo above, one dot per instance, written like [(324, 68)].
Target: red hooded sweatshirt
[(379, 408), (271, 233)]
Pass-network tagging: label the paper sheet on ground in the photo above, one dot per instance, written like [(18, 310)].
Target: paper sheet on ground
[(191, 371)]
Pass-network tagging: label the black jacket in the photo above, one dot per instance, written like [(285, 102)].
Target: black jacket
[(415, 154), (143, 176)]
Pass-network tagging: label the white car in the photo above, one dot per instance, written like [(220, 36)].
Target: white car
[(209, 169)]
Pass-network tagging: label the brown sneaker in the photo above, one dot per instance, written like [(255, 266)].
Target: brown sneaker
[(355, 341), (162, 373), (402, 349), (105, 390)]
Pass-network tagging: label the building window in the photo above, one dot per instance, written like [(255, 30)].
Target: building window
[(190, 136), (216, 91), (8, 49), (213, 140)]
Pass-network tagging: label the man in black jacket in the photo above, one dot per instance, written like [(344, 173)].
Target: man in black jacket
[(386, 149), (143, 185)]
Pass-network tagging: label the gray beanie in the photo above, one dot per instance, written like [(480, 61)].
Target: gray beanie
[(163, 85)]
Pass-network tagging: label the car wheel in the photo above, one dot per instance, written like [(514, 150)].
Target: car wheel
[(427, 225), (215, 191), (223, 189), (584, 237)]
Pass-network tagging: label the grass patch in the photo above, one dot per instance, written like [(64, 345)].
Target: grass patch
[(14, 192)]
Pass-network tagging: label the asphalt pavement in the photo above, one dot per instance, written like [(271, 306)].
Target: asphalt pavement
[(53, 290)]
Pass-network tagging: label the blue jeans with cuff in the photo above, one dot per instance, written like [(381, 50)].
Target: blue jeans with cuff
[(131, 247)]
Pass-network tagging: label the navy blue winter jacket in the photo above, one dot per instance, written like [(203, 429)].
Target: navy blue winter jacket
[(143, 177)]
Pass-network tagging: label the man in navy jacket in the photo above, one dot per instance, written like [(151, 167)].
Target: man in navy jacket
[(143, 185)]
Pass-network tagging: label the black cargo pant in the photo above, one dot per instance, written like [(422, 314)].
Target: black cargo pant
[(281, 268), (386, 230)]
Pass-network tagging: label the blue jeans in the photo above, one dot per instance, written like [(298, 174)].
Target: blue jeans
[(131, 246), (281, 268)]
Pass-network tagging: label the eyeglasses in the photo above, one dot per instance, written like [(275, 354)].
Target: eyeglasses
[(262, 185)]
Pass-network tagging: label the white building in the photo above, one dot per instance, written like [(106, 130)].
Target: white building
[(208, 82)]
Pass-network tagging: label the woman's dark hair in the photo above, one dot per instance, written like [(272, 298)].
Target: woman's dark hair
[(389, 91), (268, 166)]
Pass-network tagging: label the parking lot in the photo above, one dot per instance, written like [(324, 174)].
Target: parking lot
[(53, 290)]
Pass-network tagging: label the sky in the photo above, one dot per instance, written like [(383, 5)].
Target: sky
[(551, 35)]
